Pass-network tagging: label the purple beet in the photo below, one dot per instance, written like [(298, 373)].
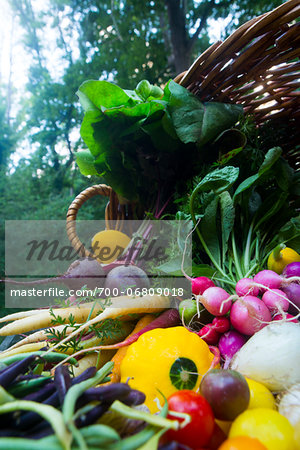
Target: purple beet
[(86, 271)]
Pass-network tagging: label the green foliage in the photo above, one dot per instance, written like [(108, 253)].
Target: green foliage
[(120, 41), (131, 135), (246, 218)]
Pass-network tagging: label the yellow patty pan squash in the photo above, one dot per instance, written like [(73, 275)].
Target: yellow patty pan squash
[(165, 360), (280, 257)]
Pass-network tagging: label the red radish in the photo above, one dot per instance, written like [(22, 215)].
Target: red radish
[(276, 300), (245, 286), (209, 335), (221, 324), (216, 300), (249, 314), (290, 317), (229, 344), (269, 279), (200, 284)]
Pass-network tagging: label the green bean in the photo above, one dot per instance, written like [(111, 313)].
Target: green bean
[(152, 419), (100, 434), (49, 413), (5, 396), (75, 391), (25, 387), (141, 438), (135, 441), (73, 394), (52, 357), (153, 442), (13, 443)]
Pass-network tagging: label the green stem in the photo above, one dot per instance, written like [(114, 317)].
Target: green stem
[(277, 255), (217, 266), (250, 271), (247, 249), (222, 280), (236, 258)]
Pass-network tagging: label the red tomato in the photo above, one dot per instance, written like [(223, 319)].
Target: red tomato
[(198, 432)]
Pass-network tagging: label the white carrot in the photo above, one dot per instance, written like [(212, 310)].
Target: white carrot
[(44, 318), (41, 335), (20, 315), (123, 308)]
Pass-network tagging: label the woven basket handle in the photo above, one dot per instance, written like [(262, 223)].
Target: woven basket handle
[(113, 214)]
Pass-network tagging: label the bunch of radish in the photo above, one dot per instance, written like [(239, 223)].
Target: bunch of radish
[(234, 318)]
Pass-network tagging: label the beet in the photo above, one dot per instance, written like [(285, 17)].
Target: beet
[(121, 278), (86, 271)]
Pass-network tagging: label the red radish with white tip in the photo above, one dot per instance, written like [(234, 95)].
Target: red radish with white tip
[(200, 284), (246, 286), (276, 300), (268, 279), (249, 314), (216, 300), (209, 335), (221, 324)]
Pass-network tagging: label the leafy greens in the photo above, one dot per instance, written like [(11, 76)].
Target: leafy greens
[(149, 142)]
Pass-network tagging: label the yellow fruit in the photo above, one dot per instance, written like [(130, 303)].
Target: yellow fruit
[(280, 257), (108, 245), (297, 435), (165, 360), (268, 426), (260, 396)]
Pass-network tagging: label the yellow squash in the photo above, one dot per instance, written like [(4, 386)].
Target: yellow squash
[(280, 257), (165, 360)]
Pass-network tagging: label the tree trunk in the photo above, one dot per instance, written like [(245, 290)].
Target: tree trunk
[(179, 35)]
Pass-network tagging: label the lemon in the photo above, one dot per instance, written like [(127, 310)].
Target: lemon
[(260, 396), (268, 426)]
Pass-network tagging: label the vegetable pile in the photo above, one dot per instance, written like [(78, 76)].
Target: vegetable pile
[(215, 368)]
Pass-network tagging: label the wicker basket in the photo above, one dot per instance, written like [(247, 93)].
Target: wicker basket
[(257, 66)]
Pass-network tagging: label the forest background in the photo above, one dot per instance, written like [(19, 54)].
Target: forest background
[(65, 42)]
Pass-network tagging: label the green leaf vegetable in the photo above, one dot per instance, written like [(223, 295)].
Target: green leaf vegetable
[(148, 143)]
